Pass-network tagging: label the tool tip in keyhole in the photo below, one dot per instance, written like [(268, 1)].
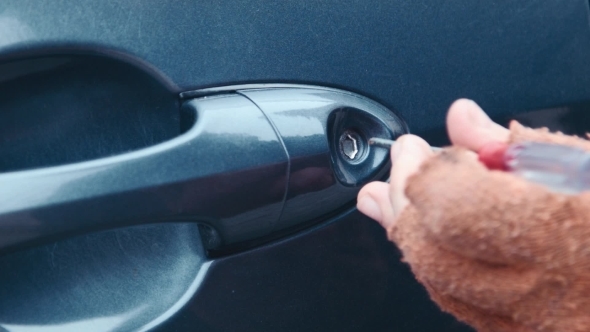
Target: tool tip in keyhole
[(387, 143), (381, 142)]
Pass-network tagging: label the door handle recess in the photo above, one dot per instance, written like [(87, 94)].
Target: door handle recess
[(253, 161)]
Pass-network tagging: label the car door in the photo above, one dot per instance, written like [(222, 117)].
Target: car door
[(193, 165)]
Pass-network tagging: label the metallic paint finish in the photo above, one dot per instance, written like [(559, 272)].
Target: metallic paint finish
[(306, 118), (244, 172), (64, 109), (341, 276), (231, 174), (120, 280), (219, 171), (414, 56)]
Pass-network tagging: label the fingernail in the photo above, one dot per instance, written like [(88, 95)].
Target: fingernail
[(369, 207), (396, 149), (478, 117)]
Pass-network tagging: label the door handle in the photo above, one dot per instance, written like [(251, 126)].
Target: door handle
[(253, 161)]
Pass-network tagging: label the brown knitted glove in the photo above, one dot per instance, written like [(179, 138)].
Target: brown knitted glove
[(499, 253)]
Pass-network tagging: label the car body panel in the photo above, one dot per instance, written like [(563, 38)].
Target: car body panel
[(413, 56)]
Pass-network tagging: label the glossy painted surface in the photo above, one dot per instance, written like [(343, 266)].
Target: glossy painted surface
[(414, 56), (307, 120), (125, 280), (154, 276), (342, 276), (238, 176), (65, 109), (231, 174)]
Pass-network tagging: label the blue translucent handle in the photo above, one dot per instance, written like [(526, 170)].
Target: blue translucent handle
[(562, 168)]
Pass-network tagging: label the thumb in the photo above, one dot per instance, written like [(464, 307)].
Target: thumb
[(470, 127), (382, 201)]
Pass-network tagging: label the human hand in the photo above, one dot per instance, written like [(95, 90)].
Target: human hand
[(500, 253), (468, 126)]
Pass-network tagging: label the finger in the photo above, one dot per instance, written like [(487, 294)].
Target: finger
[(407, 155), (373, 200), (470, 127)]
